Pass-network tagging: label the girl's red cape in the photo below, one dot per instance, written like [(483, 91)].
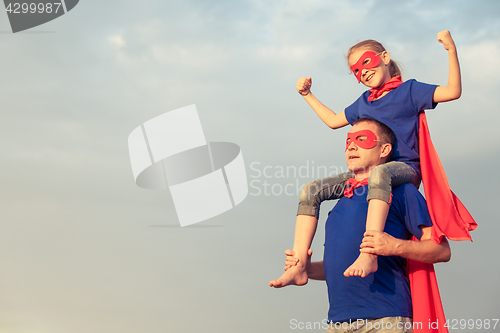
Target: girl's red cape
[(450, 218)]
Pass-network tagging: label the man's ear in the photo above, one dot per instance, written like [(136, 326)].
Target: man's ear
[(386, 150)]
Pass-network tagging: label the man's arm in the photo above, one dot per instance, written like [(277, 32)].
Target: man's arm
[(316, 271), (454, 88), (330, 118), (426, 250)]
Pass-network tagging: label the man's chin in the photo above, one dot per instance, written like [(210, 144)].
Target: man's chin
[(353, 166), (356, 168)]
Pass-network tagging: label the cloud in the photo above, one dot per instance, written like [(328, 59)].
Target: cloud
[(117, 41), (481, 60), (72, 97)]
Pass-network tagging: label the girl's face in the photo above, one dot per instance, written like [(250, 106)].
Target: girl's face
[(370, 77)]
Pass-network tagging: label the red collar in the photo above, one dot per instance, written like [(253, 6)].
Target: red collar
[(388, 86), (349, 191)]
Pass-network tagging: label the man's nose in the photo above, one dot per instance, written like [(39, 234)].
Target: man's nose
[(352, 146)]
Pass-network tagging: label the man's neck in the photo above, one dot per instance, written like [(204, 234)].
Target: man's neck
[(359, 176)]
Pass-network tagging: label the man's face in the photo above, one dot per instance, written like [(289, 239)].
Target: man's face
[(363, 160)]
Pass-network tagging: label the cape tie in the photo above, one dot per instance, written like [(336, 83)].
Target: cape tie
[(388, 86), (353, 184)]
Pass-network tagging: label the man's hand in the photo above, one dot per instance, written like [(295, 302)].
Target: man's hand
[(444, 37), (292, 261), (380, 243), (315, 269), (304, 86), (425, 250)]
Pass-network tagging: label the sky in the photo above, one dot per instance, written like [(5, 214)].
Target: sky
[(84, 249)]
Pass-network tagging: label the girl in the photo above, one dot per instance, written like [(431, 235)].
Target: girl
[(392, 102)]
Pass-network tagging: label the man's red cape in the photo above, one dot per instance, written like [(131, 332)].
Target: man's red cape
[(450, 218)]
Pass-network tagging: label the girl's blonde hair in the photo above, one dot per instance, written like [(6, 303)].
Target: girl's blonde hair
[(376, 47)]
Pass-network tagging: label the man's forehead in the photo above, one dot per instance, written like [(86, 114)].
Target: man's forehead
[(364, 125)]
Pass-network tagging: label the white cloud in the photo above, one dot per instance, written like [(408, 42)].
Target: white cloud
[(70, 103), (482, 62), (117, 41), (206, 56)]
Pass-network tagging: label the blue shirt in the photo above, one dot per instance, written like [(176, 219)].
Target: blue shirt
[(399, 110), (385, 293)]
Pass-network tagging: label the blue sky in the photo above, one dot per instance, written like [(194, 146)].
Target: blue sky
[(83, 249)]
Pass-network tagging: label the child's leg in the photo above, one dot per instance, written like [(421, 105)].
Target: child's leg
[(312, 195), (380, 183), (317, 191)]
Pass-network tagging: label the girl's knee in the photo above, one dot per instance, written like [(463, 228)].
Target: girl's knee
[(379, 185), (309, 191), (378, 177)]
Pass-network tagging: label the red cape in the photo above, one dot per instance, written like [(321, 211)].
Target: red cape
[(450, 218)]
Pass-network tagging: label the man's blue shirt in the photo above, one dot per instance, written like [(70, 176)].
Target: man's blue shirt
[(385, 293)]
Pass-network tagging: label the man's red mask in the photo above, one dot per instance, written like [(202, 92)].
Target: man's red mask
[(365, 139), (368, 60)]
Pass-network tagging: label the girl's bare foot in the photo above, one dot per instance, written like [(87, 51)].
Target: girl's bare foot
[(295, 275), (364, 265)]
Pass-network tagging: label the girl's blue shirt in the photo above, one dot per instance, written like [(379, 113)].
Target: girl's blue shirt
[(399, 109)]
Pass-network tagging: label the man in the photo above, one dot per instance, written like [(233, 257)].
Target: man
[(381, 301)]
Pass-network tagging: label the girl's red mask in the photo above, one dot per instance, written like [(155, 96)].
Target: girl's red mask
[(368, 60), (365, 139)]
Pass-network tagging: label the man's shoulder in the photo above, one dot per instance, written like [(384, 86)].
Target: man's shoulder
[(410, 208), (406, 188), (407, 194)]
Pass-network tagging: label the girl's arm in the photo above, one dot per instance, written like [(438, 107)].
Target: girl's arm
[(454, 88), (330, 118)]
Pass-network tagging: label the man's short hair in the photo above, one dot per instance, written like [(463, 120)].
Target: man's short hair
[(386, 134)]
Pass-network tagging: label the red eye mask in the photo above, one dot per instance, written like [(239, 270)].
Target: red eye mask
[(365, 139), (368, 60)]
